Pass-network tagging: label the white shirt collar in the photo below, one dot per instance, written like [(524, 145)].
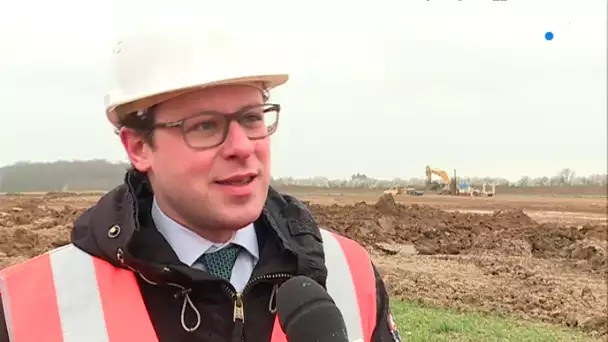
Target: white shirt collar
[(189, 246)]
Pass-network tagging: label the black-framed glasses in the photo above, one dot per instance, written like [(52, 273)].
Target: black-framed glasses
[(210, 129)]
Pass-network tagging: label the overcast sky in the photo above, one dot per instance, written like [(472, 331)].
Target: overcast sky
[(384, 90)]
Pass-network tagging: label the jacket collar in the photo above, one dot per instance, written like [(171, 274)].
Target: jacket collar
[(189, 246)]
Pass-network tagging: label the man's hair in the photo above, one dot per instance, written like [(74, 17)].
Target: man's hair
[(142, 123)]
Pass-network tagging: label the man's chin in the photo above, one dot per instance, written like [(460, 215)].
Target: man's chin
[(237, 218), (240, 211)]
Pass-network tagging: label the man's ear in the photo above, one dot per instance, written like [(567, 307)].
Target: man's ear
[(138, 150)]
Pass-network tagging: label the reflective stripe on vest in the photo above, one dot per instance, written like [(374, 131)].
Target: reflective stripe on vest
[(66, 295), (351, 283)]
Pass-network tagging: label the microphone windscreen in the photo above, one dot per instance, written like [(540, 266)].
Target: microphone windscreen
[(307, 313)]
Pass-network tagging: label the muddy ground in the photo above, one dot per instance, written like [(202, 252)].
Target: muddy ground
[(546, 265)]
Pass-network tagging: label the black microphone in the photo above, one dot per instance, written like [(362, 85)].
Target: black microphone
[(307, 313)]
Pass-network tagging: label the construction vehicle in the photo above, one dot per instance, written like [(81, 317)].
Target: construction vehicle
[(488, 193), (393, 191), (452, 188), (450, 184), (413, 192), (464, 189), (467, 190)]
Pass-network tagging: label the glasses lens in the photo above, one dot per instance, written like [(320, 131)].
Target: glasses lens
[(207, 130), (204, 130), (260, 122)]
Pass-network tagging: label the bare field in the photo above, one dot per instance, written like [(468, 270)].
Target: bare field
[(541, 258)]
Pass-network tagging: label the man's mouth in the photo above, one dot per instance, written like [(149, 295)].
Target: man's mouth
[(238, 180)]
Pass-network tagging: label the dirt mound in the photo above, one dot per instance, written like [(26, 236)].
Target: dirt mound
[(500, 262), (431, 230), (29, 228), (386, 204), (38, 215), (435, 231)]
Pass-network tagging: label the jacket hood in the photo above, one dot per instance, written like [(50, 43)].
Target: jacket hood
[(108, 228), (109, 225)]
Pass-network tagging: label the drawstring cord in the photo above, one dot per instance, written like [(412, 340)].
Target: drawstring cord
[(187, 302), (273, 309)]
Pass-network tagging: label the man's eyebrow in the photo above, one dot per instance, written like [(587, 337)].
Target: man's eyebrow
[(256, 104), (240, 109), (245, 107)]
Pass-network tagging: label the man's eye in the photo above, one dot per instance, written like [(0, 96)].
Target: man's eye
[(253, 117), (207, 125)]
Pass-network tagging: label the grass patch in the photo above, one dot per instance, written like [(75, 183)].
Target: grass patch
[(420, 323)]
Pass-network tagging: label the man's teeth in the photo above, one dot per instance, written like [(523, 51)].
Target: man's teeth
[(243, 181)]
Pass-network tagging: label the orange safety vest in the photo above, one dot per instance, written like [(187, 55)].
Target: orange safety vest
[(67, 295)]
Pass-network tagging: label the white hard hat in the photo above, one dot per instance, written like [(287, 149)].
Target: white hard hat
[(153, 66)]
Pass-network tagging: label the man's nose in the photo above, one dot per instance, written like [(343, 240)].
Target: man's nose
[(237, 144)]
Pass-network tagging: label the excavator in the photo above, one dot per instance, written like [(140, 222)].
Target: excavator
[(449, 183)]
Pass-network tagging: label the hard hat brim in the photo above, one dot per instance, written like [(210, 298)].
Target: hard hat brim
[(115, 111)]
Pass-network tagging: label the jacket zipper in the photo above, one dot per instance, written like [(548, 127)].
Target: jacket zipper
[(239, 309)]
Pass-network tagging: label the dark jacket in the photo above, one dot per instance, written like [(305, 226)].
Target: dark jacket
[(289, 242)]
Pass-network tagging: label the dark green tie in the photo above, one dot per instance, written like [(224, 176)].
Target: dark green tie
[(220, 263)]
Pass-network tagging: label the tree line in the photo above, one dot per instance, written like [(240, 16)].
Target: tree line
[(102, 175), (77, 175), (564, 177)]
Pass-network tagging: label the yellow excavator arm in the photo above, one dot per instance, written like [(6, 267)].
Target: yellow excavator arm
[(438, 172)]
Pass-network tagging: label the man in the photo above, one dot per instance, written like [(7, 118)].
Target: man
[(195, 243)]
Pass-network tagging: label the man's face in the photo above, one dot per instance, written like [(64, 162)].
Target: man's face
[(206, 189)]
